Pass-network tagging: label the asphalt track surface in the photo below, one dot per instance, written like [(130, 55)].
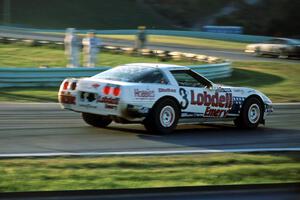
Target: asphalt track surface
[(46, 128), (246, 192), (225, 54)]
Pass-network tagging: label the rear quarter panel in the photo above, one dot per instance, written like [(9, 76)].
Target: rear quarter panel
[(147, 95)]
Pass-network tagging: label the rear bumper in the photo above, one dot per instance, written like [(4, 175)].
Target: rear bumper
[(118, 111)]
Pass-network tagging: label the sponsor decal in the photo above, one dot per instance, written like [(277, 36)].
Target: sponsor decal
[(237, 105), (95, 85), (237, 90), (108, 100), (217, 105), (166, 90), (220, 89), (108, 106), (215, 100), (144, 94), (191, 114), (212, 112), (238, 100)]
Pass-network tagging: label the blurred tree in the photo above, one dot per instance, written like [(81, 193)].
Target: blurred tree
[(267, 17)]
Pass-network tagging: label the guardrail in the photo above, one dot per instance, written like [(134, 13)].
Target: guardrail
[(45, 77), (194, 34)]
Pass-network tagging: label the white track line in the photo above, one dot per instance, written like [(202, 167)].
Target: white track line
[(127, 153)]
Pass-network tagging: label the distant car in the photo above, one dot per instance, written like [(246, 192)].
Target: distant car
[(159, 96), (281, 47)]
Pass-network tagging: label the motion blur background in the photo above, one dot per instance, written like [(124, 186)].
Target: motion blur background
[(257, 17), (32, 124)]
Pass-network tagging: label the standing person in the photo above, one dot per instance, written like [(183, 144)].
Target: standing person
[(71, 42), (91, 46), (141, 38)]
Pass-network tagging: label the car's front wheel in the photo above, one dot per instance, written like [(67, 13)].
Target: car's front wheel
[(96, 120), (250, 115), (163, 117)]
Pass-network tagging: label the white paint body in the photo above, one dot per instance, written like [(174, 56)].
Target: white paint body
[(136, 99)]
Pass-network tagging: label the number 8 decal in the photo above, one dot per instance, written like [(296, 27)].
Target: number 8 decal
[(184, 104)]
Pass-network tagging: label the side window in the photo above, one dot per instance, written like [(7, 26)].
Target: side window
[(153, 77), (185, 79)]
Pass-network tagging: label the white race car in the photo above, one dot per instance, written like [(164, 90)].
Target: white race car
[(160, 96)]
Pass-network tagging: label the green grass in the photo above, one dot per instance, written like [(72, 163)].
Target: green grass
[(48, 94), (279, 81), (39, 174), (195, 42), (18, 55), (180, 40)]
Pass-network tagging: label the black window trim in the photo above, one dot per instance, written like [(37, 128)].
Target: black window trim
[(198, 77)]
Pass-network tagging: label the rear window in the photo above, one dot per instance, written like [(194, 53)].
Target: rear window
[(135, 74)]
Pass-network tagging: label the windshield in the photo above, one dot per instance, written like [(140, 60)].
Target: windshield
[(135, 74)]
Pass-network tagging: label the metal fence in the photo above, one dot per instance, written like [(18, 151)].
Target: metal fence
[(45, 77)]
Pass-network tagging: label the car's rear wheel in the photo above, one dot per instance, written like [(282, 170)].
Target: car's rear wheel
[(163, 117), (96, 120), (250, 115)]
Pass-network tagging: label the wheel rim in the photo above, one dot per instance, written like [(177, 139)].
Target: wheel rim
[(167, 116), (254, 113)]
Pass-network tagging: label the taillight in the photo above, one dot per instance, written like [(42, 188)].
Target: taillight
[(73, 85), (66, 84), (106, 90), (116, 91)]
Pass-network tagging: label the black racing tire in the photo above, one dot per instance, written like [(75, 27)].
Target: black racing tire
[(163, 117), (250, 115), (96, 120)]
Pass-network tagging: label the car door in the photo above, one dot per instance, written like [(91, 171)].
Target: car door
[(199, 97)]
